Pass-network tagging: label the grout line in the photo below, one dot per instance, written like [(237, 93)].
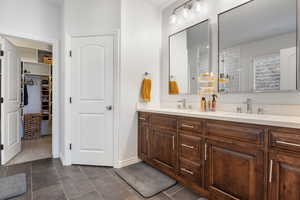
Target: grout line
[(94, 186), (60, 182), (31, 181)]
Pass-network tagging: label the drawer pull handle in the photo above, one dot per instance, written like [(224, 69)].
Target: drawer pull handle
[(271, 171), (187, 171), (188, 146), (187, 126), (173, 137), (288, 143), (142, 118), (205, 152)]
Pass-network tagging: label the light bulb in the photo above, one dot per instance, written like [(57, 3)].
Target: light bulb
[(173, 19), (198, 6), (185, 13)]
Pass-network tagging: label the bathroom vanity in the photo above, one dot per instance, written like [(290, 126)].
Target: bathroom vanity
[(224, 156)]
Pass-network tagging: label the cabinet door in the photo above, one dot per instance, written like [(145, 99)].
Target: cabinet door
[(284, 176), (235, 172), (144, 144), (164, 149)]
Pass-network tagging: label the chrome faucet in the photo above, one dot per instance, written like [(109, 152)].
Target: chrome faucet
[(249, 105), (183, 103)]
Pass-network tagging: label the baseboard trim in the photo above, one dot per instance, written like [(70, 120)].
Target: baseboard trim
[(127, 162)]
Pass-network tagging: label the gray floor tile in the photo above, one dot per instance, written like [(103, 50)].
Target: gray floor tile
[(74, 189), (44, 179), (90, 196), (54, 192), (95, 172), (113, 189), (3, 171), (19, 168), (71, 172), (171, 191), (185, 194), (43, 165)]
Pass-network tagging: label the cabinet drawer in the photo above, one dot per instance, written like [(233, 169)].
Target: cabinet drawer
[(216, 194), (144, 117), (164, 121), (241, 132), (190, 171), (190, 148), (285, 139), (190, 125)]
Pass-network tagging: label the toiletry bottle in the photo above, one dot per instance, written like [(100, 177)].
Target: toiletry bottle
[(209, 104), (203, 104), (214, 103)]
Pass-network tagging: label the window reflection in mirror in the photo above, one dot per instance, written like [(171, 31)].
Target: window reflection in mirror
[(258, 47), (190, 71)]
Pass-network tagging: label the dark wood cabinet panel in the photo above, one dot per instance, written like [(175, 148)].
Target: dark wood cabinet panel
[(239, 132), (188, 124), (190, 148), (163, 145), (164, 121), (285, 139), (143, 141), (235, 171), (191, 171), (284, 177)]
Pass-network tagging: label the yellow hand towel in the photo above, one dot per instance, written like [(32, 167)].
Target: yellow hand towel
[(173, 88), (146, 90)]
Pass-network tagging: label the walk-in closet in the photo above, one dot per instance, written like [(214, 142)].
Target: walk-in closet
[(36, 100)]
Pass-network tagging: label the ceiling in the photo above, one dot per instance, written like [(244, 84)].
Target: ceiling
[(162, 3)]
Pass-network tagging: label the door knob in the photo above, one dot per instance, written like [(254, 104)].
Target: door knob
[(108, 107)]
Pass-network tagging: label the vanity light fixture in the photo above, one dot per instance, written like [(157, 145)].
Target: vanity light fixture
[(198, 6), (186, 11)]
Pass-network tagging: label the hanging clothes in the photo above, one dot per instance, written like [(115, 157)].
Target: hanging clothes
[(25, 95)]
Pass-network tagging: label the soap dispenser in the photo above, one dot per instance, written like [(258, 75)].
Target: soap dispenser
[(214, 103), (203, 104)]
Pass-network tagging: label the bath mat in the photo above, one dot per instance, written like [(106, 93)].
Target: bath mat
[(144, 179), (12, 186)]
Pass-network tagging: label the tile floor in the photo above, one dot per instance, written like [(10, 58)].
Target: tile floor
[(34, 150), (48, 180)]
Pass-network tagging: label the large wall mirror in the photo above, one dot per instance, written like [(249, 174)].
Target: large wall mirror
[(258, 47), (190, 61)]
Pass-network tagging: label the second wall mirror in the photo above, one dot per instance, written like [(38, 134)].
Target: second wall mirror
[(258, 47), (190, 61)]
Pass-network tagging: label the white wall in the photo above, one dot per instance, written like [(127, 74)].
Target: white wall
[(37, 18), (140, 53), (90, 17), (213, 7)]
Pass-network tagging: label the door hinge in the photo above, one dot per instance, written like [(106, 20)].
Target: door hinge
[(70, 146), (70, 100), (1, 100), (1, 53), (70, 53), (1, 147)]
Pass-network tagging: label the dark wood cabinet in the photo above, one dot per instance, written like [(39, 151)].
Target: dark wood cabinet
[(284, 176), (234, 171), (163, 145), (223, 160), (143, 141)]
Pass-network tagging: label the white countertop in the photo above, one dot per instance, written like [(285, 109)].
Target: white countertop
[(270, 120)]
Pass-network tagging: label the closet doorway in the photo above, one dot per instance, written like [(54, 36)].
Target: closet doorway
[(34, 88)]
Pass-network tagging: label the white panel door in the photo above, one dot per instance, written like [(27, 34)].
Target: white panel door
[(92, 100), (288, 69), (10, 110)]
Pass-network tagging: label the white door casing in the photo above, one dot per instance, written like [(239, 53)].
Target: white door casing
[(92, 96), (11, 93), (288, 69)]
